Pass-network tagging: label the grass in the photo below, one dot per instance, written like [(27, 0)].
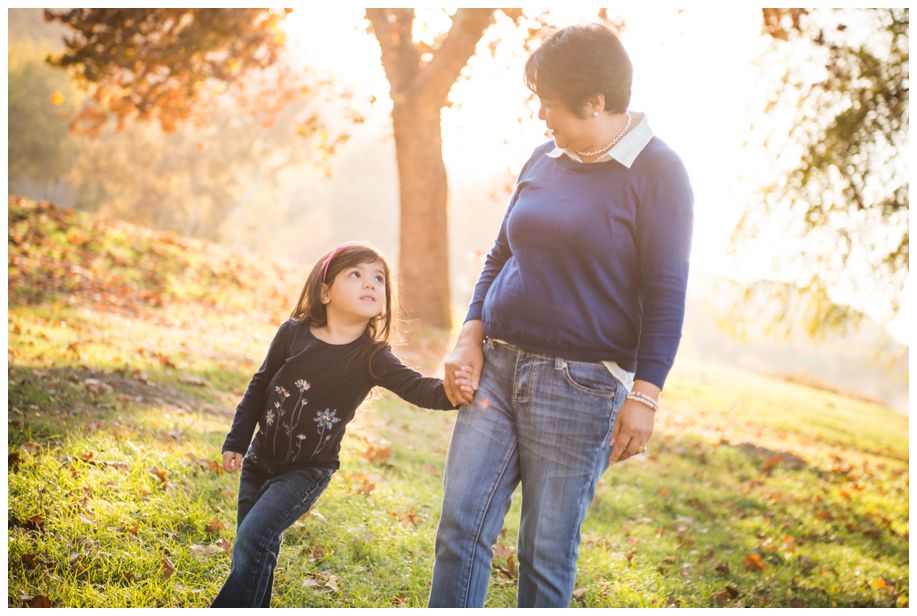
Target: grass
[(122, 382)]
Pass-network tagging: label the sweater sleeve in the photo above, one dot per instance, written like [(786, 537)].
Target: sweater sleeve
[(664, 224), (499, 254), (426, 392), (252, 405)]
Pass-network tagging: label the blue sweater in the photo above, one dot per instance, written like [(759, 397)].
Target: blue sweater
[(591, 262)]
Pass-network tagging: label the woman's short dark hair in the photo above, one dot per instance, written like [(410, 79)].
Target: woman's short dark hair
[(578, 62)]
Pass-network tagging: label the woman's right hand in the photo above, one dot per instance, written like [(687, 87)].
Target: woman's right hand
[(232, 461), (468, 352)]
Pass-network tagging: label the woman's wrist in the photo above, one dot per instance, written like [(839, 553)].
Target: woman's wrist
[(647, 388), (645, 393), (472, 334)]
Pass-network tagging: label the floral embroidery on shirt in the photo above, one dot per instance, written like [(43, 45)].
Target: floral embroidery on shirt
[(325, 420), (283, 394)]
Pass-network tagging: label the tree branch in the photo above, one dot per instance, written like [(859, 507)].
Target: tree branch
[(468, 26), (400, 57)]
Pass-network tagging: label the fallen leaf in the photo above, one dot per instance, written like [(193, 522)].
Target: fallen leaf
[(318, 552), (97, 387), (37, 601), (225, 545), (379, 453), (579, 593), (318, 516), (771, 462), (501, 551), (29, 561), (754, 562), (209, 465), (409, 516), (193, 380), (511, 566), (215, 526), (728, 593), (722, 569), (880, 583), (331, 582), (160, 474), (167, 568)]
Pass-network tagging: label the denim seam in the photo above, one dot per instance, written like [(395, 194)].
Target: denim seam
[(584, 506), (515, 376), (612, 415), (479, 529)]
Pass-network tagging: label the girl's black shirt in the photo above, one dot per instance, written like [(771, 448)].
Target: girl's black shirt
[(307, 391)]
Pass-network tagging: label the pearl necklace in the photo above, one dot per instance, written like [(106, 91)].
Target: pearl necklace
[(611, 143)]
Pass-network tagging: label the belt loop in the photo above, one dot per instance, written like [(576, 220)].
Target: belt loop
[(489, 343), (559, 363)]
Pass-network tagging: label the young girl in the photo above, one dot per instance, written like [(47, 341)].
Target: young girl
[(320, 366)]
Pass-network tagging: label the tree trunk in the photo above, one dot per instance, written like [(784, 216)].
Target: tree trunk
[(419, 88), (423, 232)]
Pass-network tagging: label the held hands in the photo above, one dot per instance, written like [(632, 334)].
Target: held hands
[(464, 364), (232, 461), (462, 380)]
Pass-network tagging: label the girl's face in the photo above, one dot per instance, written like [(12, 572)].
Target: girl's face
[(570, 132), (357, 292)]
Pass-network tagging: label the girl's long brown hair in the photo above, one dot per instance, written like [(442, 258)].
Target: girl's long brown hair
[(310, 310)]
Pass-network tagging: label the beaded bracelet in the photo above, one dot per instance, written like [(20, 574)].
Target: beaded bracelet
[(644, 399)]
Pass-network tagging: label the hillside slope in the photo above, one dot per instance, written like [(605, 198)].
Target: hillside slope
[(129, 348)]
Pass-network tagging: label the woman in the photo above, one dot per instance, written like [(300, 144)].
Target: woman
[(572, 329)]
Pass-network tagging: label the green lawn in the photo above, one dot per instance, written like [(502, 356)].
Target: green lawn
[(129, 349)]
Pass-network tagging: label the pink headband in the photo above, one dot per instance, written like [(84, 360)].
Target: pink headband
[(334, 253)]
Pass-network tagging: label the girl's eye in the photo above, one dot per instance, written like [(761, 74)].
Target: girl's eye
[(380, 279), (355, 273)]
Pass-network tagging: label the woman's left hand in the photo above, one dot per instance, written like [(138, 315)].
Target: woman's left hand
[(633, 428)]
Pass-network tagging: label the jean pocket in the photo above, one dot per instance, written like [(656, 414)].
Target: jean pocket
[(590, 377)]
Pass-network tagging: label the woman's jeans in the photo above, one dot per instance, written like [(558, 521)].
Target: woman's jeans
[(540, 420), (269, 503)]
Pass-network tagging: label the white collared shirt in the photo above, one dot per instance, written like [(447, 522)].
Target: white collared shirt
[(625, 152)]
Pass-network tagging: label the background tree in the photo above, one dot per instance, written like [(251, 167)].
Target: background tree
[(838, 183), (156, 63), (420, 79), (40, 149), (163, 57), (226, 112)]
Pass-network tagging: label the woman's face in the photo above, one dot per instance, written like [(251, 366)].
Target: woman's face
[(569, 131)]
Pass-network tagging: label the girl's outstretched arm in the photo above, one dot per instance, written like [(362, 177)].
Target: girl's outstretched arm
[(426, 392)]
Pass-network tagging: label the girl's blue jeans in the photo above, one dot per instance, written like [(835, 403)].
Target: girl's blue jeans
[(545, 422), (269, 503)]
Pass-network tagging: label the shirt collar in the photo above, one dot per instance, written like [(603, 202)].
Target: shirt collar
[(625, 151)]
